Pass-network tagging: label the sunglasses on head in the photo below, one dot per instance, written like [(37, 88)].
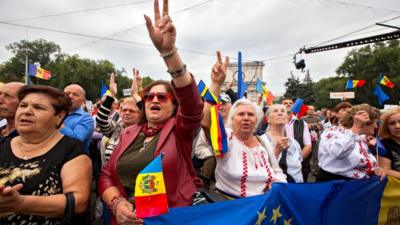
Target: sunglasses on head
[(162, 97)]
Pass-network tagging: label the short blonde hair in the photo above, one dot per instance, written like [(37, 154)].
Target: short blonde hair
[(384, 128)]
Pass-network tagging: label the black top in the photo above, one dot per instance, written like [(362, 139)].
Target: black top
[(40, 175), (392, 153)]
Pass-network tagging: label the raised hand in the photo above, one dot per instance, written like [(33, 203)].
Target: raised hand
[(218, 72), (163, 32), (113, 85), (136, 82)]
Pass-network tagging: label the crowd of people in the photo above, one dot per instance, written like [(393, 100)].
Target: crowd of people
[(56, 155)]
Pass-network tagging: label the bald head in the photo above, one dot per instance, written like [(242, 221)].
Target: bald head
[(77, 95), (9, 99)]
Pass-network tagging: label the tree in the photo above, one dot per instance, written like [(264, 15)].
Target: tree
[(367, 63), (293, 87), (308, 91), (37, 51), (322, 91)]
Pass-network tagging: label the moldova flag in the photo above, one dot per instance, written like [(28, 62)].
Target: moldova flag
[(385, 81), (150, 194), (354, 83), (38, 72)]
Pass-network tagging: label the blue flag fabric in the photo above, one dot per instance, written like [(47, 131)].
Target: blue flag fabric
[(242, 86), (349, 84), (380, 148), (297, 105), (104, 90), (382, 96), (329, 203), (259, 88)]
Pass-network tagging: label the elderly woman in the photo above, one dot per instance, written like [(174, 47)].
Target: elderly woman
[(343, 153), (287, 150), (169, 123), (249, 167), (129, 115), (389, 157), (39, 166)]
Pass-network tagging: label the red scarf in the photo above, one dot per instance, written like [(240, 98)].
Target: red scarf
[(150, 131)]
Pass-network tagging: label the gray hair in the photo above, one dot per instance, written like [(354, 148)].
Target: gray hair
[(258, 111), (273, 107)]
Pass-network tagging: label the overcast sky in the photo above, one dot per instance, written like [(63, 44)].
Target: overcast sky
[(262, 29)]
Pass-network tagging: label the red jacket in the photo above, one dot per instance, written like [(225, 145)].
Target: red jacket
[(176, 140)]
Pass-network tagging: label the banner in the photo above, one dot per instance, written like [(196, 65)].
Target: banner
[(328, 203)]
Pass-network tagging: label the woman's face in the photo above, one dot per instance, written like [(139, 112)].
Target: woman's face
[(35, 114), (394, 125), (370, 127), (244, 120), (277, 115), (158, 105), (129, 113)]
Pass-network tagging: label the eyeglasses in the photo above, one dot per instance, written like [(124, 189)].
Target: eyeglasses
[(162, 97)]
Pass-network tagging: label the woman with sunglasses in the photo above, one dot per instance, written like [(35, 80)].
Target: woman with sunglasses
[(343, 154), (169, 122)]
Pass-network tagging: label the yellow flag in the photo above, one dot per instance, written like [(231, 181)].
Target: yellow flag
[(390, 204)]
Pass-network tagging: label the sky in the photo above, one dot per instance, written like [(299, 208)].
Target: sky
[(271, 31)]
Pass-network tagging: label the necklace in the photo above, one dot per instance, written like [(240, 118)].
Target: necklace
[(27, 154)]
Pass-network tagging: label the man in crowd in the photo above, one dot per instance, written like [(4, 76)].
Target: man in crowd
[(8, 106), (297, 129), (78, 124), (315, 128)]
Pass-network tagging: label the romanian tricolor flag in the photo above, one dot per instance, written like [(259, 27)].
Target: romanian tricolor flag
[(354, 83), (206, 93), (385, 81), (217, 132), (104, 90), (150, 194), (38, 72)]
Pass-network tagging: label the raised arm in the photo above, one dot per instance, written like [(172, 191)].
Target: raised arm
[(136, 86), (218, 75), (106, 125), (163, 36)]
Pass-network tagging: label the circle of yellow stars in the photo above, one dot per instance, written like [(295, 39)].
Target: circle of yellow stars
[(261, 216)]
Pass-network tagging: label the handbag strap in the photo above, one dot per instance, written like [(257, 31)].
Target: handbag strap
[(69, 210)]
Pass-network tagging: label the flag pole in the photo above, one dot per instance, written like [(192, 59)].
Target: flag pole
[(26, 66)]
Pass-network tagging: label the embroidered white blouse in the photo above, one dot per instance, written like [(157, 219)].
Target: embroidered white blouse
[(293, 158), (245, 171), (345, 153)]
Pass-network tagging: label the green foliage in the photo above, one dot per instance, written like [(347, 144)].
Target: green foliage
[(65, 69), (300, 89), (323, 88), (367, 63)]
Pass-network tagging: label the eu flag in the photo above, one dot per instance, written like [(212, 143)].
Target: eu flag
[(328, 203)]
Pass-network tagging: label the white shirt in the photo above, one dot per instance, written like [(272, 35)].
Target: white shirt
[(293, 158), (202, 147), (245, 171), (290, 131), (345, 153)]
